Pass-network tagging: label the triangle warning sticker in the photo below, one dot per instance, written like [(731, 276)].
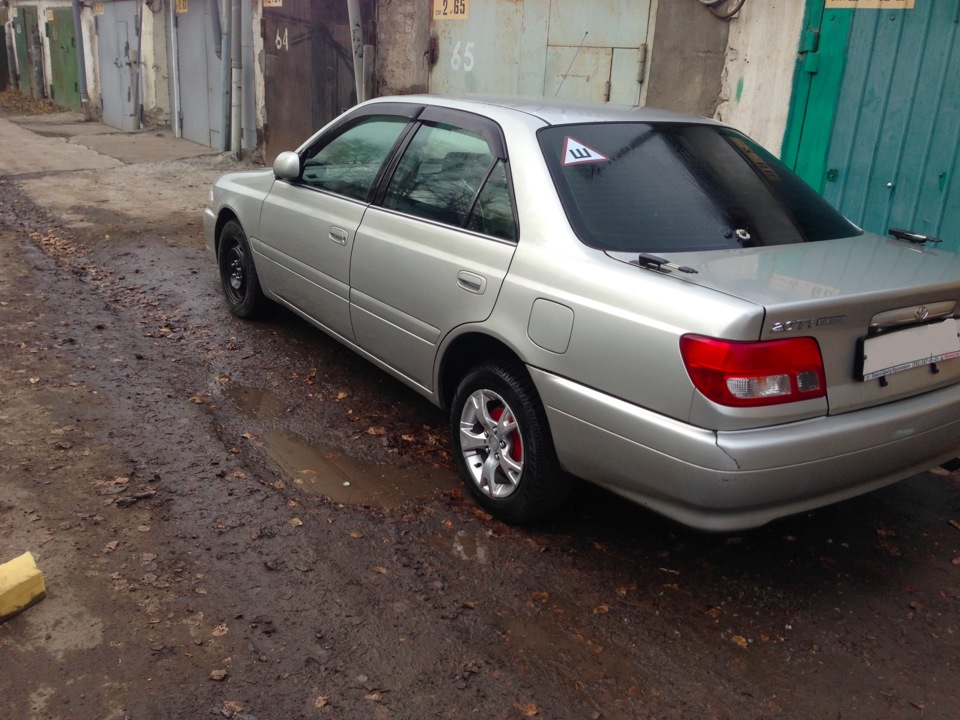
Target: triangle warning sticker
[(575, 153)]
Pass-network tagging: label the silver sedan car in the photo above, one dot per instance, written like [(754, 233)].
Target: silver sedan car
[(646, 300)]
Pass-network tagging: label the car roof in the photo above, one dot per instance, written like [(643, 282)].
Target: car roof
[(551, 111)]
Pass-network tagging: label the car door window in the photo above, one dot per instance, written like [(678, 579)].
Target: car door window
[(440, 175), (492, 214), (348, 164)]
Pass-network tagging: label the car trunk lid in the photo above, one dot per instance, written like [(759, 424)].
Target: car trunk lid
[(872, 304)]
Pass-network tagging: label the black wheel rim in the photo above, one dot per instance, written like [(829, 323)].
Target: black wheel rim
[(234, 275)]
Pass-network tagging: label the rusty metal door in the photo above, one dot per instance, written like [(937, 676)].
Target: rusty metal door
[(117, 26), (563, 48), (308, 68)]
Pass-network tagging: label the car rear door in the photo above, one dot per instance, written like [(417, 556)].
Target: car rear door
[(307, 226), (433, 253)]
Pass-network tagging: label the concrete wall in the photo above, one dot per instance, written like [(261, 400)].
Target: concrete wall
[(687, 58), (403, 41), (154, 67), (757, 79)]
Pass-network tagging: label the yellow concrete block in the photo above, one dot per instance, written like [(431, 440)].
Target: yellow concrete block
[(21, 585)]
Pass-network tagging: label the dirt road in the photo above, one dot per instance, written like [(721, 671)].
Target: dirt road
[(245, 520)]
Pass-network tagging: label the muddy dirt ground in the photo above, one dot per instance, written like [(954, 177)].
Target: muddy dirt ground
[(245, 520)]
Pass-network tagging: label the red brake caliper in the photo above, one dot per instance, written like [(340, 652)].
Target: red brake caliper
[(517, 452)]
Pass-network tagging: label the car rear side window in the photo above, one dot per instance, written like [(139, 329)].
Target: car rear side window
[(348, 164), (448, 175), (659, 187)]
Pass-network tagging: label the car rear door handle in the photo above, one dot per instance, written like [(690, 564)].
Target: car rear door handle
[(338, 235), (471, 282)]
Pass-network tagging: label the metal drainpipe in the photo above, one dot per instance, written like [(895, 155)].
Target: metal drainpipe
[(175, 70), (81, 61), (226, 7), (236, 72), (11, 55), (356, 36)]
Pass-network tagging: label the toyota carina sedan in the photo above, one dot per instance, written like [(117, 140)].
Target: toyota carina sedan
[(646, 300)]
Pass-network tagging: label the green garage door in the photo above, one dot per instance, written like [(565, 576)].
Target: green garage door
[(875, 124)]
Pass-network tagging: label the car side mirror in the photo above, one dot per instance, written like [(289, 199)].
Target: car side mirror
[(287, 166)]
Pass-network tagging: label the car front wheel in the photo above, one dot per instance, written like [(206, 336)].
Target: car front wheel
[(503, 446), (238, 275)]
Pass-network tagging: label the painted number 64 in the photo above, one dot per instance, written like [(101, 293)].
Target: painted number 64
[(466, 61)]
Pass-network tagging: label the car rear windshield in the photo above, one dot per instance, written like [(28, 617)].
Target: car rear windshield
[(658, 187)]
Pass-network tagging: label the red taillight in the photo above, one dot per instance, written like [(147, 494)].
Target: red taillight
[(748, 374)]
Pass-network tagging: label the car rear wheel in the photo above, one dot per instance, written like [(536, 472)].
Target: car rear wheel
[(503, 446), (238, 275)]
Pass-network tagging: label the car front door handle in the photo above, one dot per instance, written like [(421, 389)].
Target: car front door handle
[(338, 235), (471, 282)]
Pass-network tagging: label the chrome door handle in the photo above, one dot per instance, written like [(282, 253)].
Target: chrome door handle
[(471, 282), (338, 235)]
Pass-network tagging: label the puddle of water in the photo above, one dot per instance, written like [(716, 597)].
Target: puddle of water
[(329, 472)]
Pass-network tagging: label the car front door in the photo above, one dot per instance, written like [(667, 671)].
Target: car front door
[(433, 252), (307, 226)]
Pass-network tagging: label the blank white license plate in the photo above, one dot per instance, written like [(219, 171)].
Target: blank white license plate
[(907, 349)]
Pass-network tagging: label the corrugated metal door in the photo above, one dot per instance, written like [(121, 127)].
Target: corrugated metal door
[(199, 70), (890, 157), (563, 48), (64, 85), (116, 50)]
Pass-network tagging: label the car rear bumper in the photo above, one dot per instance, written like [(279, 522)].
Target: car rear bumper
[(726, 481)]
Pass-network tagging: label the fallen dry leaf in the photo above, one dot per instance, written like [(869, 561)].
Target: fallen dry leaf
[(196, 400), (739, 640), (231, 708), (381, 570), (356, 534), (527, 709), (601, 610), (250, 436), (218, 675), (111, 546), (34, 380), (540, 597), (322, 701), (376, 431), (297, 522), (220, 630)]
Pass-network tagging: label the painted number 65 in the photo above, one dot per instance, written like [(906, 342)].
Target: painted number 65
[(466, 61)]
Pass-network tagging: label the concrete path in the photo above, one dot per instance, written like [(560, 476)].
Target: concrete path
[(63, 142)]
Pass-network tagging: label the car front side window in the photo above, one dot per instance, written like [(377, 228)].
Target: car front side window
[(348, 164)]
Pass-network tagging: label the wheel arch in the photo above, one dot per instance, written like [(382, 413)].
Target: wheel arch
[(225, 215), (466, 351)]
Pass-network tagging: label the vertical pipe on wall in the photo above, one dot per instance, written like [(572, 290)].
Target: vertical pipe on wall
[(356, 37), (226, 18), (8, 32), (81, 61), (236, 75), (175, 70)]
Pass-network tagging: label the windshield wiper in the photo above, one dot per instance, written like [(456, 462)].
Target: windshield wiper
[(652, 262), (912, 236)]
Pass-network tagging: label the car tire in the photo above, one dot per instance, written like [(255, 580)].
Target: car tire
[(238, 274), (502, 444)]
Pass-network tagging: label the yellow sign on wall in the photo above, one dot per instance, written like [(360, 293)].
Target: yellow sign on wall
[(98, 8), (870, 4), (451, 9), (181, 6), (273, 3)]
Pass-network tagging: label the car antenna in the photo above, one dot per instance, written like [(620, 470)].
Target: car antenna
[(564, 78)]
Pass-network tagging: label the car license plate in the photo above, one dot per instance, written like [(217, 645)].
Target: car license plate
[(906, 349)]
